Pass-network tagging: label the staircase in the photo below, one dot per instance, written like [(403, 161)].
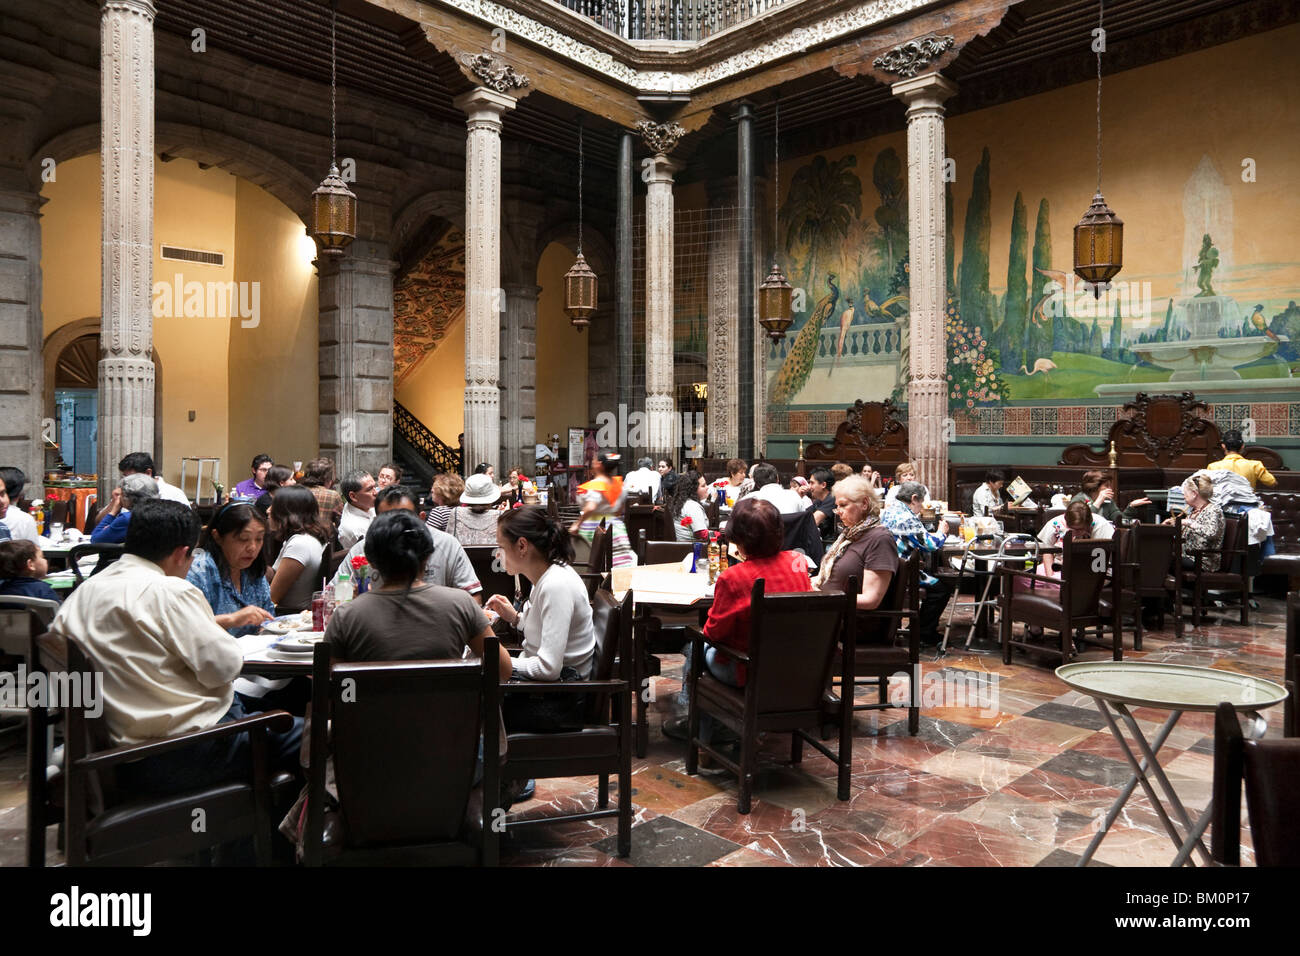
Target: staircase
[(420, 452)]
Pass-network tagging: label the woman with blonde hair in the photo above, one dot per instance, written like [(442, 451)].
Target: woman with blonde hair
[(446, 492), (905, 472), (1203, 525), (864, 550)]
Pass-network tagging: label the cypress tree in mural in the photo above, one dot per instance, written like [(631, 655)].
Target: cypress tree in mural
[(1169, 321), (1117, 335), (1094, 340), (1015, 309), (1038, 332), (974, 296), (891, 214)]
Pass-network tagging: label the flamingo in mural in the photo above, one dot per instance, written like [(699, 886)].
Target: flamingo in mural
[(1037, 316), (1043, 365)]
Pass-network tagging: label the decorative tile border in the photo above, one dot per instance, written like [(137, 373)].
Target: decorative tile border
[(1272, 420)]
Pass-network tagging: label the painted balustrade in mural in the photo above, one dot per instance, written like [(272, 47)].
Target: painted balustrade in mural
[(862, 345)]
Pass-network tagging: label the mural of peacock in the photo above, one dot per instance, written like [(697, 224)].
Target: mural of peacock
[(799, 362)]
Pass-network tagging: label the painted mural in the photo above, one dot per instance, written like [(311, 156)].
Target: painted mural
[(1208, 298)]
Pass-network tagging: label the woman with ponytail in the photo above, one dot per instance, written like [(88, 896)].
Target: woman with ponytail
[(405, 618), (555, 622)]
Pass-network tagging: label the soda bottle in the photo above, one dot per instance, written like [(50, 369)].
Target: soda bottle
[(38, 515), (714, 558)]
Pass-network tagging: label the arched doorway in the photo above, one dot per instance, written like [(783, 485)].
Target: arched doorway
[(71, 357)]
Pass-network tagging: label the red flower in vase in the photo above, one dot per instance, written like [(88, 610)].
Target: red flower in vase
[(359, 562)]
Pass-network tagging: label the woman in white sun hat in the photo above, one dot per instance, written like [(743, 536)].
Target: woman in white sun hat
[(476, 521)]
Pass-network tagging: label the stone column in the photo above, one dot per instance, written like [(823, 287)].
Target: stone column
[(356, 357), (126, 371), (518, 379), (483, 305), (744, 255), (659, 405), (22, 368), (927, 396), (623, 270), (723, 368)]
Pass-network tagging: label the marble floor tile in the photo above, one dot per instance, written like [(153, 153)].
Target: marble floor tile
[(989, 772), (957, 842), (1043, 823), (664, 841), (1081, 715)]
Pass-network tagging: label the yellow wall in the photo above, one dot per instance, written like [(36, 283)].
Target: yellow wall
[(435, 392), (214, 211), (273, 366), (561, 351)]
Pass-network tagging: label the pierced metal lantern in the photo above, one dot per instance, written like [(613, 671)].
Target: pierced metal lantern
[(334, 214), (580, 293), (1098, 245), (774, 298)]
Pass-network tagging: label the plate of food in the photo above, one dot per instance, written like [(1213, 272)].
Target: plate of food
[(288, 623), (302, 643)]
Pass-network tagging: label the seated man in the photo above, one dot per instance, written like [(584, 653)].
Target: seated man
[(767, 485), (141, 463), (645, 480), (169, 667), (823, 504), (130, 491), (988, 496), (358, 488), (21, 525), (902, 518), (254, 485), (448, 564), (1249, 468)]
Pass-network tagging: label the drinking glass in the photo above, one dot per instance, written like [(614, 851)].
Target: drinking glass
[(56, 532)]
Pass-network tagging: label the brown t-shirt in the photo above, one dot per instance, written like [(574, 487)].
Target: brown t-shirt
[(874, 551), (428, 623)]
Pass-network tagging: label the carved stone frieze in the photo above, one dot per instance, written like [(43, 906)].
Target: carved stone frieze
[(493, 72), (914, 55), (660, 138)]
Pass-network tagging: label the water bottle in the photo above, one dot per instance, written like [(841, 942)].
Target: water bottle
[(343, 587)]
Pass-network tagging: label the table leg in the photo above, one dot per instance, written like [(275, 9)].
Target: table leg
[(1140, 775), (641, 736), (1174, 802)]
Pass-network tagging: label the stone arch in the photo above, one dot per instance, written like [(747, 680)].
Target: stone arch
[(409, 223), (65, 335), (278, 177)]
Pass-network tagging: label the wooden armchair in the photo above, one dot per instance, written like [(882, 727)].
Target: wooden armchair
[(1231, 575), (1085, 576), (404, 738), (107, 826), (603, 745), (881, 651), (793, 643), (1271, 772), (492, 575)]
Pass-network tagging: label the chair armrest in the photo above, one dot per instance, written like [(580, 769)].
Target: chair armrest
[(278, 720), (563, 686), (694, 632)]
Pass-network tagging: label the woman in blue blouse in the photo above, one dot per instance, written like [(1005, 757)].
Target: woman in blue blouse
[(230, 570)]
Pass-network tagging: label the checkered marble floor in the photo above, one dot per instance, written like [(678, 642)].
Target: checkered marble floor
[(1018, 773)]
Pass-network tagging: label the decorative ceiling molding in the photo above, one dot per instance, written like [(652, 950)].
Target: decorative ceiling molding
[(760, 54), (914, 55), (427, 302), (493, 72), (660, 138)]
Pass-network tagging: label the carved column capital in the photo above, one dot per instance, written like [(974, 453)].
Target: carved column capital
[(493, 72), (928, 92), (660, 138), (144, 8), (910, 58)]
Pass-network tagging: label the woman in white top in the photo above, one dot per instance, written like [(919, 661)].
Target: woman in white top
[(905, 472), (988, 496), (295, 517), (690, 522)]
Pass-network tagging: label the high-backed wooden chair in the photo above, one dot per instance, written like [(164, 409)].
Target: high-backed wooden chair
[(1271, 772), (881, 651), (1231, 576), (603, 745), (491, 573), (793, 644), (404, 737)]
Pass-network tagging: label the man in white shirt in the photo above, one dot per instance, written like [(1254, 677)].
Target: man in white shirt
[(767, 484), (644, 479), (988, 496), (169, 667), (448, 565), (358, 489), (21, 525)]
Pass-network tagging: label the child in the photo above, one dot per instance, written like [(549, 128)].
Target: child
[(22, 568)]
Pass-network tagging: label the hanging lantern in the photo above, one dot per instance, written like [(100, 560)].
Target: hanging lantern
[(334, 214), (580, 281), (334, 206), (580, 293), (1098, 245), (774, 298), (1099, 235)]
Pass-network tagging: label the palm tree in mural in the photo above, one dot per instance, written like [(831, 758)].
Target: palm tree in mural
[(820, 206), (798, 364)]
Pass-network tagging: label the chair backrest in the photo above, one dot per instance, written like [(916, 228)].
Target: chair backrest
[(713, 510), (1233, 558), (1084, 566), (601, 558), (108, 553), (879, 628), (666, 552), (405, 738), (640, 520), (20, 619), (802, 534), (792, 645), (1271, 770), (84, 734), (492, 575), (612, 622), (57, 513), (1156, 549)]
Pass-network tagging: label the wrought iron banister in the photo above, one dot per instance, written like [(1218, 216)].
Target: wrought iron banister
[(689, 20), (436, 452)]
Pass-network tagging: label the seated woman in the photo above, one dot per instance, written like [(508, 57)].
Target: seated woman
[(738, 483), (558, 639), (865, 550), (131, 490), (871, 475), (445, 494), (988, 496), (905, 472), (230, 570), (404, 617), (476, 522), (1098, 493), (1081, 523), (295, 517), (277, 477), (22, 570), (1203, 525), (690, 522)]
